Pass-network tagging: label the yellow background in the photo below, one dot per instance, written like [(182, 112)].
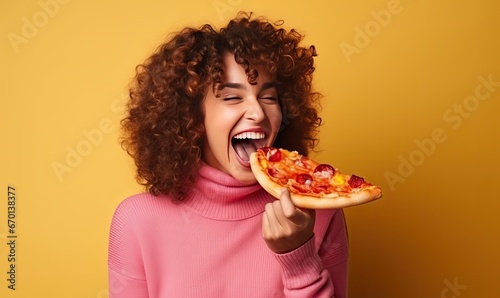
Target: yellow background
[(435, 231)]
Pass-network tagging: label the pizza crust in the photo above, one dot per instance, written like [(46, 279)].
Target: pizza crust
[(330, 201), (366, 195)]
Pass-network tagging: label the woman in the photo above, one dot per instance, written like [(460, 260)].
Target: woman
[(199, 106)]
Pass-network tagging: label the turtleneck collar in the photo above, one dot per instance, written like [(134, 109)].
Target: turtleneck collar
[(218, 195)]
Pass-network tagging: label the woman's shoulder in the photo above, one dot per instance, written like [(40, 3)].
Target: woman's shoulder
[(137, 199), (143, 204), (144, 213)]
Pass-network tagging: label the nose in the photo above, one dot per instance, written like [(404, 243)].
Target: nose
[(254, 110)]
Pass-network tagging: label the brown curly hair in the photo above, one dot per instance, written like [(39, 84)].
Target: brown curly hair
[(163, 128)]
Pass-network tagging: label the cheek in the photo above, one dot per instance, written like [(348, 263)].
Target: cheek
[(219, 121), (210, 116), (220, 118)]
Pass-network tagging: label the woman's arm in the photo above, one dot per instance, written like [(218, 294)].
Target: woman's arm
[(308, 271), (126, 275)]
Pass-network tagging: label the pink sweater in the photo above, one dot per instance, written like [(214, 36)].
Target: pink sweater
[(211, 245)]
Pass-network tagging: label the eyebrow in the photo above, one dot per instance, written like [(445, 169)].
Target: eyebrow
[(265, 86), (231, 85)]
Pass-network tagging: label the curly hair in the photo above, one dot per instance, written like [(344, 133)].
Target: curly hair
[(163, 128)]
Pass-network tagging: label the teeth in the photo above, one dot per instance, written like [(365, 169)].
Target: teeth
[(250, 135)]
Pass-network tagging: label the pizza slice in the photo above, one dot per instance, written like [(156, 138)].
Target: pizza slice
[(312, 185)]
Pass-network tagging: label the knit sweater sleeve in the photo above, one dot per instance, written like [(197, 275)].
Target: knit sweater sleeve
[(311, 271), (126, 275)]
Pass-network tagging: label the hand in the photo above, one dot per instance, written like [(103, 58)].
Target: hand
[(286, 227)]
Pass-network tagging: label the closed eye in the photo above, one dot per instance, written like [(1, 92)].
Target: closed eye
[(232, 98), (269, 99)]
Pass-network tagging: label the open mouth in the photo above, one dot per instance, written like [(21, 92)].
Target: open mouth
[(246, 143)]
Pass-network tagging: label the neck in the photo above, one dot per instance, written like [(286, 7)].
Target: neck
[(219, 196)]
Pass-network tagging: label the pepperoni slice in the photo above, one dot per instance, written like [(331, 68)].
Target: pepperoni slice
[(272, 154), (274, 173), (324, 171), (356, 181), (304, 179), (265, 149)]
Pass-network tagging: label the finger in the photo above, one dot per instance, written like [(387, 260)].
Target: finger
[(294, 214), (265, 225), (272, 220), (277, 213), (287, 206)]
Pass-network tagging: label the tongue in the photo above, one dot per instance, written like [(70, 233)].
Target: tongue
[(244, 148)]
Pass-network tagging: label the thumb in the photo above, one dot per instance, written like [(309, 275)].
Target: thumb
[(292, 212), (286, 203)]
